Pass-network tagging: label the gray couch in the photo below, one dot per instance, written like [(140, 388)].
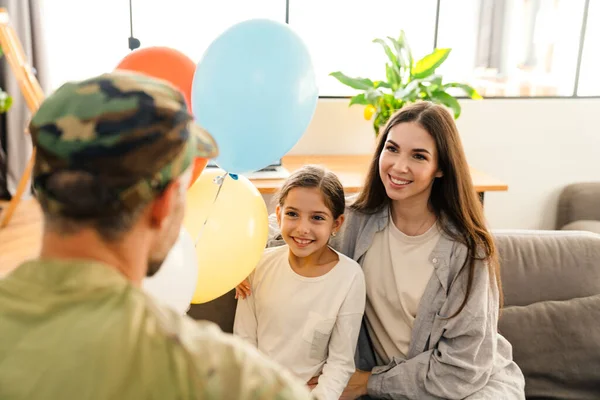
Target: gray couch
[(551, 281), (579, 207), (551, 314)]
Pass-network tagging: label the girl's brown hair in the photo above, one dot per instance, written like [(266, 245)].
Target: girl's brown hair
[(453, 197), (313, 176)]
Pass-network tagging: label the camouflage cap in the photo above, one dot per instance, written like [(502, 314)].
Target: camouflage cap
[(130, 131)]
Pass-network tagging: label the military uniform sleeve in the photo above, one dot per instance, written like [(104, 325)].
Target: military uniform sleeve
[(226, 367)]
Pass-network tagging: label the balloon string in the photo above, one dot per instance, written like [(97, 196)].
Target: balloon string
[(219, 180)]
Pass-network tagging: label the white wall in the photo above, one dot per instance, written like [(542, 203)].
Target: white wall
[(536, 146)]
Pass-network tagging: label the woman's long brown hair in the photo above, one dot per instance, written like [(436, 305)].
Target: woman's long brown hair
[(453, 197)]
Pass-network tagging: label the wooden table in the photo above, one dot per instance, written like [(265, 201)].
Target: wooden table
[(20, 240), (351, 169)]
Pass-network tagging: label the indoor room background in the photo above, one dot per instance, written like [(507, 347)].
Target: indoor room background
[(534, 61)]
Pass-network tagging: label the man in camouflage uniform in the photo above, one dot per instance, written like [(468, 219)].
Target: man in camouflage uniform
[(114, 157)]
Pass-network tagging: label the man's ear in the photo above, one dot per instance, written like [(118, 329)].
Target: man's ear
[(162, 205)]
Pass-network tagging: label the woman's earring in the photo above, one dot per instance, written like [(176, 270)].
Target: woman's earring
[(333, 234)]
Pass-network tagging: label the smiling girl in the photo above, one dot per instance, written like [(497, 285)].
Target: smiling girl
[(308, 300)]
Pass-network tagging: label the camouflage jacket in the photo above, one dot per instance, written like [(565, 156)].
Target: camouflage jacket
[(80, 330)]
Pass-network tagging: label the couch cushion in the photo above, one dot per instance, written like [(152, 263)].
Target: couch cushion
[(221, 311), (547, 265), (556, 345), (583, 225), (536, 266)]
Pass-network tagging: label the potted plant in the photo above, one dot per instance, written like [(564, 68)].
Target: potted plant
[(406, 81)]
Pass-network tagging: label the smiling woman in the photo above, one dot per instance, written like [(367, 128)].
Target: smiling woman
[(418, 231), (419, 146), (408, 165)]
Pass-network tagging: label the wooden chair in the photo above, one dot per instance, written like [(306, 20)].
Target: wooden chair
[(32, 92)]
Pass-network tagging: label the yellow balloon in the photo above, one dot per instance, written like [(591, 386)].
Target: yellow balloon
[(230, 232)]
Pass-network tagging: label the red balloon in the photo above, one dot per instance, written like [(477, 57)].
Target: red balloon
[(164, 63), (199, 165)]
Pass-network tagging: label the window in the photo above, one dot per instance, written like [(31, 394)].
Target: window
[(339, 35), (190, 26), (92, 40), (506, 48), (95, 39), (512, 47), (589, 84)]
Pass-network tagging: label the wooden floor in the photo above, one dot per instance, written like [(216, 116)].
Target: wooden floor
[(20, 239)]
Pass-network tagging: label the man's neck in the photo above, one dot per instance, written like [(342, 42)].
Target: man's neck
[(126, 255)]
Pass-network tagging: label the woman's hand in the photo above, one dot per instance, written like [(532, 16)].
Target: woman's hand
[(357, 385), (243, 290)]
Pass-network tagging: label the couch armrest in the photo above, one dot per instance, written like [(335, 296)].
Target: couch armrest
[(583, 225), (541, 266), (578, 201)]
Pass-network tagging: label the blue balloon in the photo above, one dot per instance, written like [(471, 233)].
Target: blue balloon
[(255, 91)]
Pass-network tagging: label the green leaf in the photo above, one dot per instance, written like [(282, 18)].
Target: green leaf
[(389, 100), (469, 90), (397, 47), (404, 56), (409, 92), (403, 61), (430, 84), (358, 99), (378, 122), (372, 96), (434, 80), (447, 100), (389, 53), (428, 64), (428, 93), (378, 84), (392, 76), (404, 44), (355, 83)]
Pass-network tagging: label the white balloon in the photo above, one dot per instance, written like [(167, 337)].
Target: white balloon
[(175, 283)]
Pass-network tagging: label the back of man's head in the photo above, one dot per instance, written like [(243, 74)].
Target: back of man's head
[(109, 145)]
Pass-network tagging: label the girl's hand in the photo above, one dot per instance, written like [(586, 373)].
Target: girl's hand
[(313, 382), (243, 290), (357, 385)]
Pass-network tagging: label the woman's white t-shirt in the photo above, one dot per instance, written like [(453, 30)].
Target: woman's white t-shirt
[(397, 270)]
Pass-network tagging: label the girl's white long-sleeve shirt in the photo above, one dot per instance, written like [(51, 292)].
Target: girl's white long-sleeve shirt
[(308, 325)]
